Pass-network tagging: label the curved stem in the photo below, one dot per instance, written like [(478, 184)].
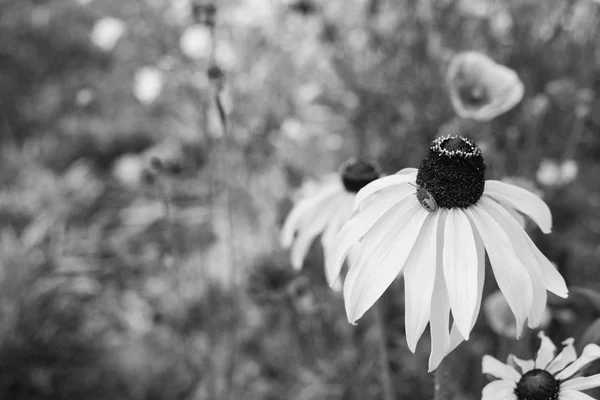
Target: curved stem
[(386, 379)]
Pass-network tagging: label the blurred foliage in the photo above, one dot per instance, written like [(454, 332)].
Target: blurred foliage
[(121, 275)]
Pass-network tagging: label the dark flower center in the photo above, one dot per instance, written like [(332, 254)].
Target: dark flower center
[(473, 95), (453, 172), (357, 173), (537, 384)]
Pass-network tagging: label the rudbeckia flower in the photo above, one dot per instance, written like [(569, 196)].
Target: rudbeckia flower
[(435, 225), (480, 88), (548, 377), (325, 209)]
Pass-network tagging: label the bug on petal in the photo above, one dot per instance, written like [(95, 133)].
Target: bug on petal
[(426, 199)]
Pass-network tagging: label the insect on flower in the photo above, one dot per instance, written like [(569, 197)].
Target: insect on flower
[(425, 198)]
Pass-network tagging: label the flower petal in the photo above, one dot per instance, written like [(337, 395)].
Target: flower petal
[(301, 209), (590, 353), (525, 365), (315, 226), (383, 255), (440, 307), (523, 201), (499, 390), (455, 336), (573, 395), (513, 213), (359, 225), (460, 269), (564, 358), (408, 171), (491, 366), (512, 277), (545, 353), (377, 185), (520, 243), (581, 383), (419, 279)]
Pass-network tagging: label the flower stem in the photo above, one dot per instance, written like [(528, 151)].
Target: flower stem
[(386, 380), (447, 377)]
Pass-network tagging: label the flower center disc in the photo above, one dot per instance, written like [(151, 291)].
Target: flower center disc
[(537, 384), (453, 172), (358, 173)]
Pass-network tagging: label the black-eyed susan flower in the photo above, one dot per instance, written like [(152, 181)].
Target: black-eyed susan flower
[(546, 377), (435, 225), (480, 88), (325, 209)]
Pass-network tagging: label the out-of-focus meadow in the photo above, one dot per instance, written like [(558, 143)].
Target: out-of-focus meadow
[(139, 247)]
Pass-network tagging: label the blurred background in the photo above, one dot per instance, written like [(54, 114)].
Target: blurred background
[(139, 216)]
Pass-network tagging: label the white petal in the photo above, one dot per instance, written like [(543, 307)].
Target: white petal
[(455, 337), (573, 395), (300, 210), (460, 269), (440, 308), (523, 201), (564, 358), (360, 224), (372, 275), (581, 383), (313, 227), (545, 353), (333, 227), (380, 184), (525, 365), (511, 276), (513, 213), (590, 353), (520, 243), (419, 278), (554, 282), (491, 366), (499, 390)]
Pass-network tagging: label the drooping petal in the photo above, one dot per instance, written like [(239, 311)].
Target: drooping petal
[(573, 395), (419, 278), (525, 365), (511, 276), (341, 216), (296, 216), (520, 243), (460, 269), (455, 337), (590, 353), (581, 383), (499, 390), (360, 224), (377, 185), (564, 358), (552, 278), (314, 227), (513, 213), (382, 260), (523, 201), (408, 171), (545, 353), (491, 366)]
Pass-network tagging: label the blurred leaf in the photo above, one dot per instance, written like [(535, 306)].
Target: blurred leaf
[(591, 335)]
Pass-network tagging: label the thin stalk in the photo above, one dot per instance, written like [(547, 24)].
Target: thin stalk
[(447, 378), (384, 360)]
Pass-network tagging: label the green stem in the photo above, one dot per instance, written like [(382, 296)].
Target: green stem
[(386, 379)]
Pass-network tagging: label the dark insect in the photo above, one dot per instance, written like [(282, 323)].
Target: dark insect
[(426, 199)]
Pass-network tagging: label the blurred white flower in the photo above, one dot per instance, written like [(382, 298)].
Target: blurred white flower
[(148, 84), (568, 170), (501, 23), (225, 55), (549, 376), (106, 33), (550, 173), (129, 170), (480, 88), (501, 319), (324, 209), (196, 42), (83, 2), (84, 97)]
